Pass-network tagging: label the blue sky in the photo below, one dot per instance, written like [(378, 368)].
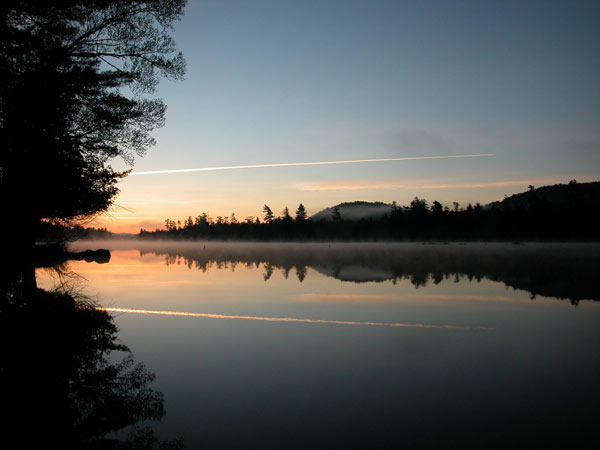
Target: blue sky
[(279, 82)]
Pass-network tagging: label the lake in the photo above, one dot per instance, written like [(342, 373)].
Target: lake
[(386, 345)]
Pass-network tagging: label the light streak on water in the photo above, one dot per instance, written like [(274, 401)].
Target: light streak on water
[(293, 319)]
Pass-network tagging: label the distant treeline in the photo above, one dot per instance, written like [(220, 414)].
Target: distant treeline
[(560, 212), (60, 233)]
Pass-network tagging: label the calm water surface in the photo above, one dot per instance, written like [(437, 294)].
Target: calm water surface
[(360, 346)]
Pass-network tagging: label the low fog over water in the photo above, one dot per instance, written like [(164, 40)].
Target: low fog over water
[(360, 345), (564, 271)]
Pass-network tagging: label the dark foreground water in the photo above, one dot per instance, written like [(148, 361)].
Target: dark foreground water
[(278, 346)]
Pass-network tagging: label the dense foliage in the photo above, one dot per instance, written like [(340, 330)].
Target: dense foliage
[(76, 76)]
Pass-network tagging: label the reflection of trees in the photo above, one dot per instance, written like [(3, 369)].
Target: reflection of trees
[(552, 270), (65, 378), (301, 273), (268, 271)]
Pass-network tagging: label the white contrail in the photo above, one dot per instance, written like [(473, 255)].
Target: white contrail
[(292, 319), (317, 163)]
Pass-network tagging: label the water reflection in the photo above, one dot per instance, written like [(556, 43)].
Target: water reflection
[(292, 319), (66, 380), (549, 270), (212, 320)]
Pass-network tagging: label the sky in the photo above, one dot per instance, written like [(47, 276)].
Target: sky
[(280, 82)]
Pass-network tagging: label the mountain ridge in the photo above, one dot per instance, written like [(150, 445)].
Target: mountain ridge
[(557, 195)]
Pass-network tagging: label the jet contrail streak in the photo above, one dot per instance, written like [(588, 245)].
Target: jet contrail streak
[(318, 163), (291, 319)]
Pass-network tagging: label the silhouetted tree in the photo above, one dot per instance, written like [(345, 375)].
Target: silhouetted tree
[(335, 215), (269, 216), (285, 215), (301, 213), (436, 207), (64, 67), (418, 205)]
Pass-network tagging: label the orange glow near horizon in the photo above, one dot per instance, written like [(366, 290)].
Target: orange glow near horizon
[(144, 203), (146, 278)]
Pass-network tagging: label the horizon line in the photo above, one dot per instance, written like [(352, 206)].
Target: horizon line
[(314, 163)]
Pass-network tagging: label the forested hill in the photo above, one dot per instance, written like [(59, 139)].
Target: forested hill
[(572, 195), (567, 196), (354, 211), (564, 212), (549, 213)]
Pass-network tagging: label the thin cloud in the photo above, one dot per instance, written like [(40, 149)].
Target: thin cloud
[(378, 185), (315, 163)]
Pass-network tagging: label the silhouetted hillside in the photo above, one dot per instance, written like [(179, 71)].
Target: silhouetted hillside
[(354, 211), (558, 195), (564, 212), (568, 196)]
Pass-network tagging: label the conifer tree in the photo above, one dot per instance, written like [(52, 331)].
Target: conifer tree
[(269, 216), (301, 213)]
